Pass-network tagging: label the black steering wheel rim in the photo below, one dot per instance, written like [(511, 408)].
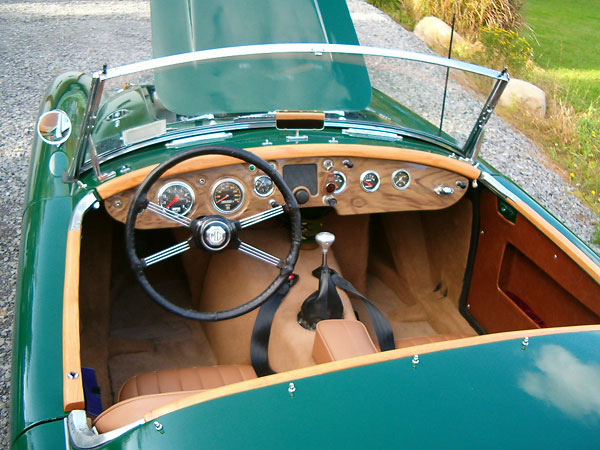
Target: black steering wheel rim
[(139, 203)]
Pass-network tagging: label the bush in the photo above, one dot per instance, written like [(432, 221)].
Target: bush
[(505, 48)]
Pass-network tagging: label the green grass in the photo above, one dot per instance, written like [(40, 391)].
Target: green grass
[(565, 36), (566, 42)]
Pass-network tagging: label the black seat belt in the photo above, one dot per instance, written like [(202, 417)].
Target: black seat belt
[(259, 343)]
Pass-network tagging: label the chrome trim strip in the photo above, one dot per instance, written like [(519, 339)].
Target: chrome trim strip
[(82, 437), (261, 255), (261, 216), (491, 182), (315, 48), (202, 139), (87, 201), (372, 134)]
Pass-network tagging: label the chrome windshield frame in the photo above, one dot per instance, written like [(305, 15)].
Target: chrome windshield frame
[(98, 79)]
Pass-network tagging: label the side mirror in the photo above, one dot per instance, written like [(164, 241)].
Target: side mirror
[(54, 127)]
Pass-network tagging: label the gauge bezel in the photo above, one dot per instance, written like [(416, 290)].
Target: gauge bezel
[(214, 188), (362, 178), (182, 184), (268, 193), (339, 191), (407, 183)]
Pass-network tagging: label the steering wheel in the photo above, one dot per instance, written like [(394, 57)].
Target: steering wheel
[(213, 233)]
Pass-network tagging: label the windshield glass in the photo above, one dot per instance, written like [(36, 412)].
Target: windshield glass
[(232, 89)]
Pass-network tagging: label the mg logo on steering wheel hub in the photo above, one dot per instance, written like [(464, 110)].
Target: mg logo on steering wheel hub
[(215, 235)]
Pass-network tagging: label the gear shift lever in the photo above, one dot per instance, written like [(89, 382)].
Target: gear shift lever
[(325, 241), (325, 303)]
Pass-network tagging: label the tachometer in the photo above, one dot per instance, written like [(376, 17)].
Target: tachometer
[(369, 181), (227, 195), (176, 196), (400, 179)]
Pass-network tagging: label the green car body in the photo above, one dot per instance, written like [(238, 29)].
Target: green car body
[(495, 395)]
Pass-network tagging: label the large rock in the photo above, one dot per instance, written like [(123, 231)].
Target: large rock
[(436, 34), (524, 96)]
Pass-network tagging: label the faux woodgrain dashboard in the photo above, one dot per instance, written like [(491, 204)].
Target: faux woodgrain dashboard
[(428, 188)]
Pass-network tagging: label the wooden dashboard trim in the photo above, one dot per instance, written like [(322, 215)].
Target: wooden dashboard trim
[(373, 358), (72, 385), (134, 178)]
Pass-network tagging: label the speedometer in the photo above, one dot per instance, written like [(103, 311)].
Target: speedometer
[(176, 196), (227, 195)]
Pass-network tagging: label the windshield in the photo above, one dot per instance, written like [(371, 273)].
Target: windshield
[(230, 89)]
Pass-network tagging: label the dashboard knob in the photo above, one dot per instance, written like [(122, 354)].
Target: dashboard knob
[(301, 196)]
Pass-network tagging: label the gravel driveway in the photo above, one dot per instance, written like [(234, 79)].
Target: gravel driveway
[(39, 40)]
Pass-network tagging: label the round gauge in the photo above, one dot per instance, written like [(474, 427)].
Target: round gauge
[(263, 186), (400, 179), (369, 181), (340, 182), (227, 195), (176, 196)]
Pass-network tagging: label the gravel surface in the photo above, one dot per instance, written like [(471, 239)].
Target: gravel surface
[(39, 40)]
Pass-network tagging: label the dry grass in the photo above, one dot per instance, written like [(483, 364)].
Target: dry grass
[(471, 15)]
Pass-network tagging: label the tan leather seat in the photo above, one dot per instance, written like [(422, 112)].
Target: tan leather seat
[(143, 393), (188, 379)]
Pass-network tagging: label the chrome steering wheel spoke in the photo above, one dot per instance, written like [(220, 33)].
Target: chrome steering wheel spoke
[(166, 253), (260, 255), (168, 214), (260, 217)]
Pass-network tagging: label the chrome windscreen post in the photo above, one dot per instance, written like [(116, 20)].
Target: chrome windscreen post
[(473, 143), (87, 125)]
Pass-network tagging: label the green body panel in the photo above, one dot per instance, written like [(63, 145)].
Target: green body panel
[(492, 396), (47, 436), (36, 387), (257, 84)]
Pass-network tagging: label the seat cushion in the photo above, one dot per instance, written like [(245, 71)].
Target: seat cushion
[(188, 379), (146, 392)]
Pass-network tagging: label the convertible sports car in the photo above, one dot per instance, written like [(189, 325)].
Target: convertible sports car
[(270, 236)]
